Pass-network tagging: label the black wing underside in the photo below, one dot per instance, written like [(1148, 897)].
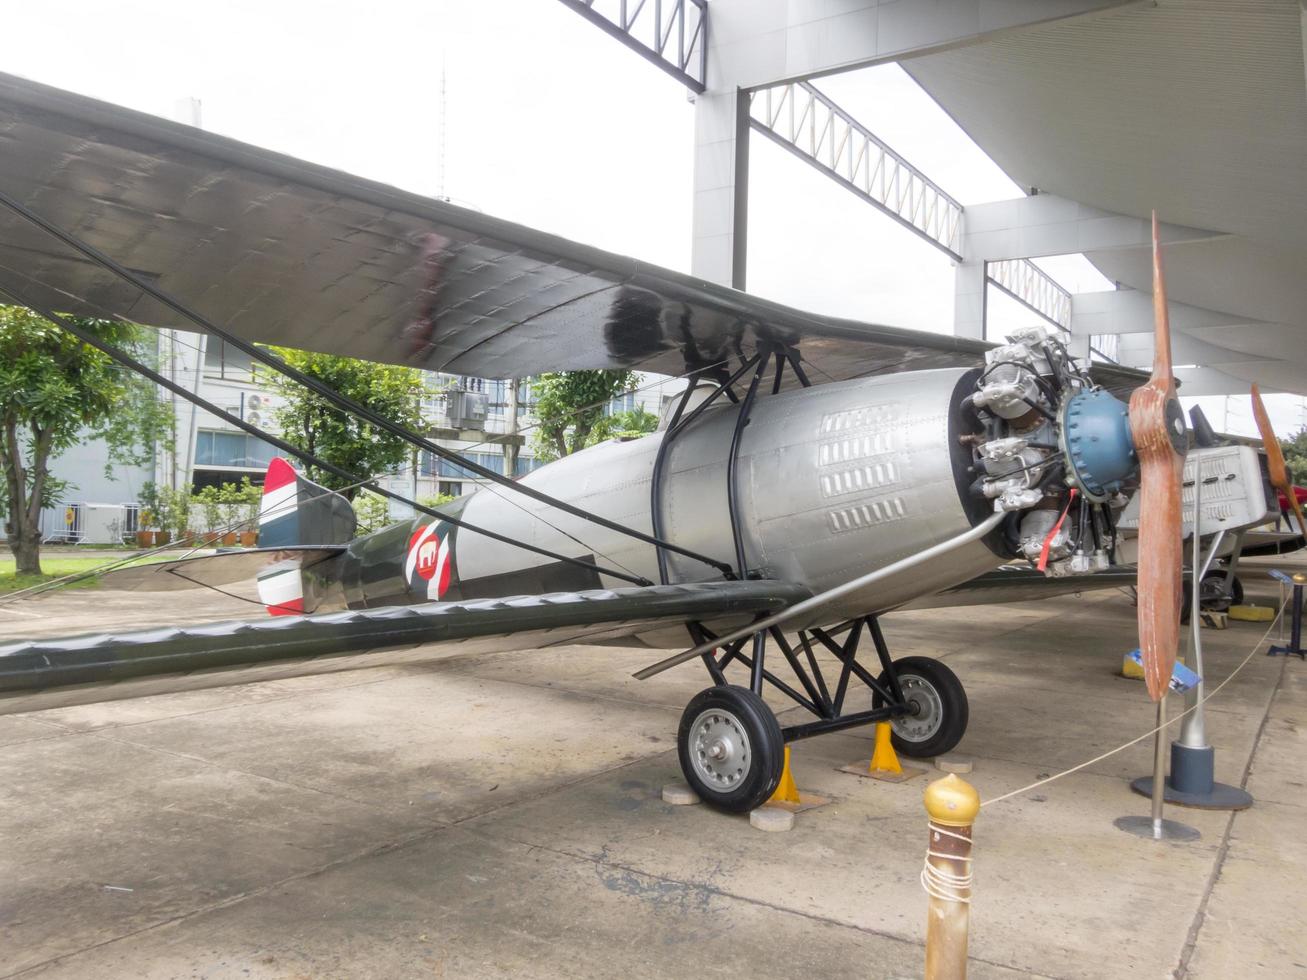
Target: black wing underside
[(282, 251), (54, 673), (1021, 583)]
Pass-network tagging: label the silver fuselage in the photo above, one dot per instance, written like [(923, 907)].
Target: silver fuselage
[(833, 482)]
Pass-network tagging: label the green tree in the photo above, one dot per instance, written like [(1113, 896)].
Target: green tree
[(570, 404), (310, 422), (623, 425), (56, 393), (1295, 454)]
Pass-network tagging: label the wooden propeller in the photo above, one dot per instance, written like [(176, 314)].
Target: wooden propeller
[(1275, 458), (1157, 425)]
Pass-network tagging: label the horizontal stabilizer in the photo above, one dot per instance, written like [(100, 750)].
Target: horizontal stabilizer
[(212, 571)]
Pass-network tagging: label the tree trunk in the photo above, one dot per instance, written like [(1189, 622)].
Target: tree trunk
[(21, 531), (26, 548)]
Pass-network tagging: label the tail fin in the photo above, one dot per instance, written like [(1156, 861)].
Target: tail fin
[(296, 512)]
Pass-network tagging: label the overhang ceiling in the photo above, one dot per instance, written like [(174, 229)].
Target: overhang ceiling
[(1197, 108)]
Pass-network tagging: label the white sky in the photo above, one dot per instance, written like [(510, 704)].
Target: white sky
[(548, 122)]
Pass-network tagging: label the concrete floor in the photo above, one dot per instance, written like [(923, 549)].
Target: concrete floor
[(500, 815)]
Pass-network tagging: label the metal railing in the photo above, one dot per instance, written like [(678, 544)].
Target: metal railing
[(672, 34), (1033, 288), (801, 119)]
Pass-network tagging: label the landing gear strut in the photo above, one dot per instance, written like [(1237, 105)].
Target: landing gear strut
[(732, 747)]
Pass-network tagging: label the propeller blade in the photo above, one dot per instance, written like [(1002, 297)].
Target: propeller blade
[(1157, 425), (1275, 458)]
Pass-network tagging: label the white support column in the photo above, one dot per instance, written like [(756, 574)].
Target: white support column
[(1078, 345), (969, 300), (721, 187)]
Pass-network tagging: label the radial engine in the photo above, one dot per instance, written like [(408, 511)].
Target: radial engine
[(1055, 451)]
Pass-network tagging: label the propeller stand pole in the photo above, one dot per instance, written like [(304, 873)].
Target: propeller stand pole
[(1159, 771), (1193, 760)]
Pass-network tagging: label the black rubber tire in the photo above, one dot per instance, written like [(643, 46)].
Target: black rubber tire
[(766, 744), (955, 710), (1211, 602), (1217, 576)]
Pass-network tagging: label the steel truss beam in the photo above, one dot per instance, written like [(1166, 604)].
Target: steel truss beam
[(672, 34), (1033, 288), (798, 117)]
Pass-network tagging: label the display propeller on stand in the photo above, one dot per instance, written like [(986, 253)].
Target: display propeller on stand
[(1275, 459), (1158, 430)]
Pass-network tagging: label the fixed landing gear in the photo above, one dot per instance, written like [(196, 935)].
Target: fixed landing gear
[(1218, 591), (732, 747), (938, 709)]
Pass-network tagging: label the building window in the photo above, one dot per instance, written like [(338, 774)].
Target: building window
[(225, 362), (430, 465), (525, 464), (622, 403), (218, 448)]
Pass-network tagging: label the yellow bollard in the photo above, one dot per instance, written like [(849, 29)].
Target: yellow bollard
[(786, 791), (883, 757), (952, 804)]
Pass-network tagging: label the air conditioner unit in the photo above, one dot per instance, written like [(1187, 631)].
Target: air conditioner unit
[(468, 409)]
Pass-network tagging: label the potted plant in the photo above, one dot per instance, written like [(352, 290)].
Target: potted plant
[(251, 498), (145, 534), (229, 499), (180, 513), (147, 516), (207, 499)]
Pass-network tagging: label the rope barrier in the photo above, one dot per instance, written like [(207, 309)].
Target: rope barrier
[(1152, 731)]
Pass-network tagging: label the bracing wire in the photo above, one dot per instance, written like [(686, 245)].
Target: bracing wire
[(286, 447), (356, 409)]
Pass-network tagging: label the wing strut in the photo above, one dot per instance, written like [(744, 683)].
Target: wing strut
[(130, 362), (341, 401)]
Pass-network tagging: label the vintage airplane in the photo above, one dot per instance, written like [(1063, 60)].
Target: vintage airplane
[(815, 474)]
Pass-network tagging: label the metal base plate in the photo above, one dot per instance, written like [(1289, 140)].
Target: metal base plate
[(1278, 651), (863, 768), (807, 801), (1143, 827), (1222, 796)]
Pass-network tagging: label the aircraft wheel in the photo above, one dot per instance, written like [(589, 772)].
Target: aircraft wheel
[(731, 748), (1213, 591), (939, 708), (1213, 595)]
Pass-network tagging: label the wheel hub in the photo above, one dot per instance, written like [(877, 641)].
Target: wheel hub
[(925, 709), (719, 749)]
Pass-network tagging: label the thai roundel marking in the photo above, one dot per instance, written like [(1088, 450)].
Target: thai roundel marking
[(429, 566)]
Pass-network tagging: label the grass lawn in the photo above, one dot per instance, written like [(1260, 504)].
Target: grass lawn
[(52, 568)]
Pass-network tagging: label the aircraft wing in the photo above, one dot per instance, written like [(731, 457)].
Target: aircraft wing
[(1021, 583), (283, 251), (53, 673)]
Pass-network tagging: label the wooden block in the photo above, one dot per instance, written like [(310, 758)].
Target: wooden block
[(1252, 614), (1215, 620)]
